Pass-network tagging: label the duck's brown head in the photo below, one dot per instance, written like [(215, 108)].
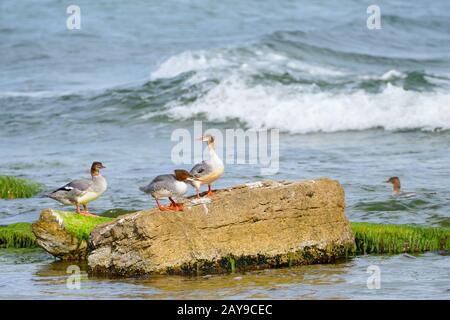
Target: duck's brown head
[(96, 167), (207, 138), (395, 183), (182, 175)]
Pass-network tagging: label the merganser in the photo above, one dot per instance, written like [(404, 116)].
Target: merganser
[(83, 191), (396, 188), (207, 171), (168, 186)]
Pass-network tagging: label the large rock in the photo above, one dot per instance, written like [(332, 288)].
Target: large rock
[(260, 225)]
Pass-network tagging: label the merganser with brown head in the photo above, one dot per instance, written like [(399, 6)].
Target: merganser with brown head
[(82, 191), (396, 186), (168, 186), (207, 171)]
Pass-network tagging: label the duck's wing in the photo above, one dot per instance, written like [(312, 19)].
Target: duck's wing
[(77, 186), (201, 169), (159, 182), (67, 193)]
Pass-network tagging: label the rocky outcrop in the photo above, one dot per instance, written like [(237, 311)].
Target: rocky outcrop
[(259, 225), (52, 235)]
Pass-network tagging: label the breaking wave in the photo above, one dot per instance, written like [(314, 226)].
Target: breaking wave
[(265, 88)]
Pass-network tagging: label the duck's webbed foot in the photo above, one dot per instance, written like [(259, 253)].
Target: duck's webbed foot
[(175, 206), (86, 212), (161, 207)]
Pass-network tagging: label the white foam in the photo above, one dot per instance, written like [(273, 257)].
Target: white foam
[(188, 61), (222, 60), (392, 74), (299, 109), (296, 108), (389, 75)]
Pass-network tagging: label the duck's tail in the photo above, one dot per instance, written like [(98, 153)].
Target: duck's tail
[(44, 195)]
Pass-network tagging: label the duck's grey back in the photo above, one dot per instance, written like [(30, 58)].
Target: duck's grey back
[(201, 169), (164, 181)]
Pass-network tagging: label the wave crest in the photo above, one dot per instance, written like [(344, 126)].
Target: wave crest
[(277, 83), (296, 110)]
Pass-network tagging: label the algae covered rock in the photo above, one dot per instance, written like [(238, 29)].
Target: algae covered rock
[(258, 225), (65, 234)]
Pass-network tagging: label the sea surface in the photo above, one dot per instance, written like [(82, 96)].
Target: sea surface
[(350, 103)]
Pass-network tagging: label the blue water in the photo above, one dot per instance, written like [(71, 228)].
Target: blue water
[(353, 104)]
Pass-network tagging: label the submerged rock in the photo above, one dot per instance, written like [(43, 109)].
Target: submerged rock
[(258, 225)]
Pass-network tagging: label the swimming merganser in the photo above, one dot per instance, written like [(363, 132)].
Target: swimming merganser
[(207, 171), (168, 186), (82, 191), (396, 187)]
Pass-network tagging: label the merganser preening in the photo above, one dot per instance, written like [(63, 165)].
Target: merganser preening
[(83, 191), (207, 171), (396, 188), (168, 186)]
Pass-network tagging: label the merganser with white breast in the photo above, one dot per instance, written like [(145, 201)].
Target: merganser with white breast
[(207, 171), (168, 186), (83, 191)]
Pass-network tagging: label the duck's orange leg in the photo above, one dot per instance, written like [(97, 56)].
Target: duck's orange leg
[(161, 207), (77, 208), (210, 193), (86, 212)]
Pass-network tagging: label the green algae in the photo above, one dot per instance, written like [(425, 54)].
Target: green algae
[(17, 235), (233, 264), (13, 187), (81, 226), (391, 239)]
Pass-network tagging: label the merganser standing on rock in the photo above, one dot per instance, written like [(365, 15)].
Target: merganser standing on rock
[(168, 186), (82, 191), (207, 171)]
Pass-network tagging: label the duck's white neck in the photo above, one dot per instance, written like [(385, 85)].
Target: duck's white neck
[(100, 183), (213, 155)]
